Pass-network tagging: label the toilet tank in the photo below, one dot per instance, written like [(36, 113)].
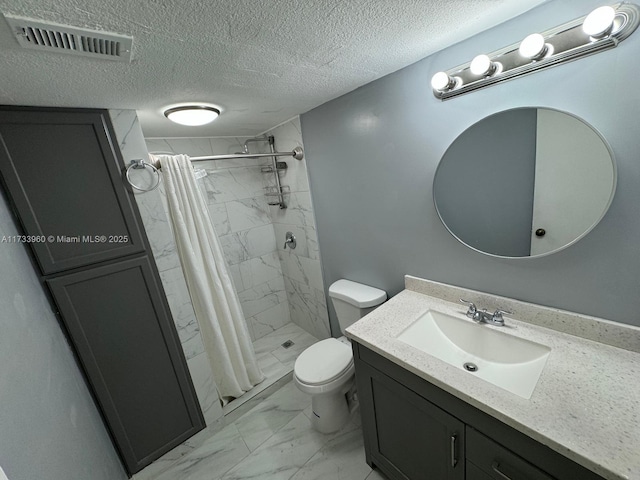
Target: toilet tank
[(353, 301)]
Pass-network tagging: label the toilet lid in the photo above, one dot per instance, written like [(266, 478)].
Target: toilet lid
[(323, 361)]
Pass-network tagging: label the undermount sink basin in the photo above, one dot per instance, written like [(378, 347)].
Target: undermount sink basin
[(508, 362)]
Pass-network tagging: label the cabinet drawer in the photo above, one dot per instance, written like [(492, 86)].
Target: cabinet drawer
[(498, 462), (474, 473)]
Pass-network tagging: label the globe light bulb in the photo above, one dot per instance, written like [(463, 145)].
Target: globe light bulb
[(599, 22), (482, 66), (533, 46), (441, 81)]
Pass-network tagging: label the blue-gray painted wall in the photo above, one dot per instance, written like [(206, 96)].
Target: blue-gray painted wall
[(50, 427), (372, 155)]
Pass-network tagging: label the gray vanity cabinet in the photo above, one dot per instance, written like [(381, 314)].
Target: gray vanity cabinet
[(413, 430), (412, 438)]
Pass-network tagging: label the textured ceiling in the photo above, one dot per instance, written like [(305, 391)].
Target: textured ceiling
[(261, 62)]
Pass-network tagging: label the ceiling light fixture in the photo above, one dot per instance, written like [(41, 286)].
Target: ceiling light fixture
[(602, 29), (192, 115)]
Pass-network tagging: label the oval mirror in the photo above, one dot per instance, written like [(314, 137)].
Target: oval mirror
[(524, 182)]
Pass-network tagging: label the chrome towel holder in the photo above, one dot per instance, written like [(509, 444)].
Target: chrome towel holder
[(141, 164)]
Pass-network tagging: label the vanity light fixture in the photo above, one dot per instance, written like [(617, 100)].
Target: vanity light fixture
[(192, 115), (603, 28)]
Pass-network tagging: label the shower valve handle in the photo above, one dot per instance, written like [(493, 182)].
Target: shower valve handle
[(290, 239)]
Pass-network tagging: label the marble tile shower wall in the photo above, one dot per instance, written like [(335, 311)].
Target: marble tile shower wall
[(301, 267), (238, 209), (156, 223)]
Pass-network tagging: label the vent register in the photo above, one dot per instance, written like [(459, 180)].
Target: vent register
[(72, 40)]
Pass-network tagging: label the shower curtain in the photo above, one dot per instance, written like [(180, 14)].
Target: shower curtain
[(215, 301)]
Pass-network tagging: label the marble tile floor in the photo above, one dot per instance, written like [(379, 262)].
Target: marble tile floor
[(275, 361), (272, 441), (277, 364)]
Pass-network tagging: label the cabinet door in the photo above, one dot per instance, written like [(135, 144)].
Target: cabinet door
[(118, 322), (63, 174), (407, 436)]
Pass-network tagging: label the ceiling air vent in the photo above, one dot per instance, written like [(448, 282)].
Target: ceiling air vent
[(53, 37)]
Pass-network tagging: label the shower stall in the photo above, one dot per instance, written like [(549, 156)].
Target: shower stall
[(255, 192)]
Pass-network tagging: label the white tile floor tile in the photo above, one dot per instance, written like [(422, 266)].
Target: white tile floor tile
[(271, 415), (282, 454), (376, 475), (217, 455), (341, 458)]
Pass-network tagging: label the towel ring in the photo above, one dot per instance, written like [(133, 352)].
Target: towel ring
[(142, 164)]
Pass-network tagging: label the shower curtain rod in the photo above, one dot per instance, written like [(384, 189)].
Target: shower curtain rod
[(297, 153), (155, 165)]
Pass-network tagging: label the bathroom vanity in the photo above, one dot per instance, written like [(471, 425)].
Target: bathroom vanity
[(427, 418)]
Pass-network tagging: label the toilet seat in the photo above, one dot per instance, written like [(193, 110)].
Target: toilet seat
[(323, 362)]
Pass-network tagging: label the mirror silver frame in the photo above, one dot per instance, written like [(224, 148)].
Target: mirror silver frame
[(574, 241)]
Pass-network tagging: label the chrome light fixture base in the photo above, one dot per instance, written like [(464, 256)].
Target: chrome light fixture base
[(192, 115), (562, 44)]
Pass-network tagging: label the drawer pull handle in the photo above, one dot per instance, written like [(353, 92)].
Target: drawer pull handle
[(496, 468), (454, 458)]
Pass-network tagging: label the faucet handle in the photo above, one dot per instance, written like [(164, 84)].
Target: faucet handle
[(472, 306), (497, 315)]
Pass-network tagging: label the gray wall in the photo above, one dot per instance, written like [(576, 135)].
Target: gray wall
[(49, 426), (372, 155), (483, 187)]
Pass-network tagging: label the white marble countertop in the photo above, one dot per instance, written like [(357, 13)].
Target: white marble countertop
[(585, 406)]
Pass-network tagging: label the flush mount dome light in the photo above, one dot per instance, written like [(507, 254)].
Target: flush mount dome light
[(192, 115)]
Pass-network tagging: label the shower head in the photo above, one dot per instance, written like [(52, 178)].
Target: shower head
[(263, 138)]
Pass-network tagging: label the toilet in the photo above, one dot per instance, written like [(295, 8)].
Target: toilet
[(325, 370)]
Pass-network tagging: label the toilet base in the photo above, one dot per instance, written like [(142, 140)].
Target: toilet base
[(330, 412)]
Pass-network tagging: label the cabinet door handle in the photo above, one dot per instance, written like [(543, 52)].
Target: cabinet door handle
[(496, 468), (454, 458)]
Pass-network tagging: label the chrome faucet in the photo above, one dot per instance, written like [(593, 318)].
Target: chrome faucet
[(482, 316)]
